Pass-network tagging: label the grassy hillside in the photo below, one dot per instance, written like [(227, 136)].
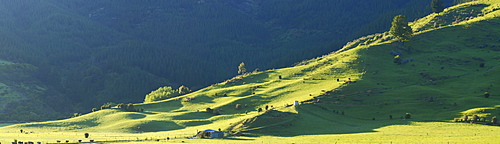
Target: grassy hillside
[(355, 95), (89, 53)]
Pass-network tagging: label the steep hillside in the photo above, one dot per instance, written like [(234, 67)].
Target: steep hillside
[(357, 90), (83, 54)]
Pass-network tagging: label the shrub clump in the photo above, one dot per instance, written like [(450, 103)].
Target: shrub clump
[(183, 90), (209, 110), (407, 116), (465, 118), (404, 61), (397, 59), (107, 105), (475, 118), (126, 107), (161, 94)]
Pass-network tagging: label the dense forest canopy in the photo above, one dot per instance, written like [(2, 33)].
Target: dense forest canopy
[(72, 55)]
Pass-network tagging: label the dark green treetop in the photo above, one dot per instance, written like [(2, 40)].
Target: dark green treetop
[(437, 6)]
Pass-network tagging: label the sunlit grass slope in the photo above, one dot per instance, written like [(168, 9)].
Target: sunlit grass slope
[(347, 96)]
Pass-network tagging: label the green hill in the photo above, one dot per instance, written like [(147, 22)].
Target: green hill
[(82, 54), (354, 95)]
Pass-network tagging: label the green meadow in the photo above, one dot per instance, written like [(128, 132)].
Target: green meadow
[(354, 95)]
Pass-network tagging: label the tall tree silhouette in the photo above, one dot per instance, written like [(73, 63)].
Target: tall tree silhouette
[(400, 28)]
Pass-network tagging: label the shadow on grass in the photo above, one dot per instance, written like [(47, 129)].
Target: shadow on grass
[(156, 126), (257, 78), (164, 106), (193, 115), (235, 138), (197, 123), (202, 99), (311, 120)]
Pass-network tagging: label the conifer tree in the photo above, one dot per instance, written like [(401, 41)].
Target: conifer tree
[(437, 6), (400, 28)]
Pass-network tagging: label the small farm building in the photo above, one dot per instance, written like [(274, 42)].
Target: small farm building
[(209, 134)]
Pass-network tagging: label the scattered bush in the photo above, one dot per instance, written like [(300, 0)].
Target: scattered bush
[(475, 118), (407, 116), (94, 109), (267, 107), (259, 110), (130, 107), (107, 105), (279, 77), (481, 65), (486, 94), (183, 90), (76, 115), (397, 59), (218, 112), (494, 120), (256, 70), (465, 118), (121, 106), (126, 107), (238, 106), (188, 99), (404, 61), (209, 110), (86, 135)]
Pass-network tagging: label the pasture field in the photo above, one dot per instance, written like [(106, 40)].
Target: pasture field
[(414, 132), (355, 95)]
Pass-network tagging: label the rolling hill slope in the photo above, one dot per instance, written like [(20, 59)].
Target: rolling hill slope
[(451, 61), (86, 53)]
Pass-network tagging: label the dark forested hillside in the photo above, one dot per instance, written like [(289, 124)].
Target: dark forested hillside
[(79, 54)]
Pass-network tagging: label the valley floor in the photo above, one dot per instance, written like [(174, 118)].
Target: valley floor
[(415, 132)]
